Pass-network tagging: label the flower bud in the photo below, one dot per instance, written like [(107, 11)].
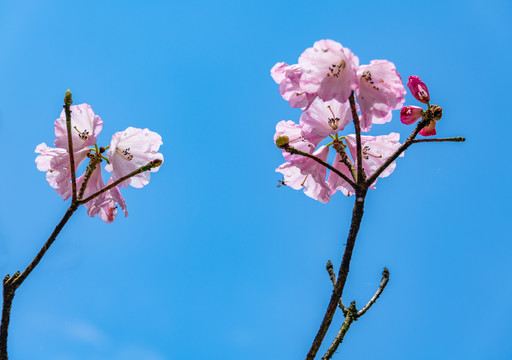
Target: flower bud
[(282, 141), (68, 100), (418, 89), (437, 112), (156, 163), (410, 114)]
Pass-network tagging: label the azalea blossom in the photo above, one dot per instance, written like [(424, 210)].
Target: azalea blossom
[(329, 70), (131, 149), (55, 162), (380, 91), (296, 140), (85, 127), (288, 78), (324, 118), (310, 175), (375, 151)]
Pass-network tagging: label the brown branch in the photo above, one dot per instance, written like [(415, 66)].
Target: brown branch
[(382, 286), (147, 167), (295, 151), (357, 215), (453, 139), (360, 172), (12, 283), (339, 147)]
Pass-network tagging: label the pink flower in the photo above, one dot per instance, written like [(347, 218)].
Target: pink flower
[(104, 204), (380, 91), (310, 175), (375, 151), (410, 114), (297, 140), (131, 149), (329, 70), (288, 78), (85, 126), (323, 118), (55, 161), (418, 89), (335, 182)]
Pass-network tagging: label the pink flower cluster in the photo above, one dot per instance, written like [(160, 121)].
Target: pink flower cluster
[(321, 84), (128, 151)]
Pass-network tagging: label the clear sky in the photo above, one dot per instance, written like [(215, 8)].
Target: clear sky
[(216, 262)]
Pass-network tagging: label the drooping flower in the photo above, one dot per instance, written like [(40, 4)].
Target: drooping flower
[(380, 91), (410, 114), (288, 78), (85, 127), (375, 151), (308, 174), (329, 70), (131, 149), (102, 205), (55, 162), (418, 89), (335, 182), (323, 118)]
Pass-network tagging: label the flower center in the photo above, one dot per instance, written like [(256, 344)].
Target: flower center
[(367, 77), (334, 121), (125, 153), (84, 135), (422, 93), (367, 154), (337, 69)]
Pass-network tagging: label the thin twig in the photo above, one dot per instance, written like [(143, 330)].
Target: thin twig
[(349, 319), (295, 151), (383, 283), (357, 215), (67, 104), (360, 172), (338, 146), (453, 139), (332, 275), (147, 167)]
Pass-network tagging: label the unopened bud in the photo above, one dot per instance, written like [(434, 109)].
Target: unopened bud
[(102, 150), (410, 114), (155, 163), (282, 141), (418, 89), (68, 100), (437, 112)]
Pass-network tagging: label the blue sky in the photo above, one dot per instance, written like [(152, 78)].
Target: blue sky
[(216, 262)]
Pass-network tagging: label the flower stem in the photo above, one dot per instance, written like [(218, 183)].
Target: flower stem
[(360, 172), (67, 104)]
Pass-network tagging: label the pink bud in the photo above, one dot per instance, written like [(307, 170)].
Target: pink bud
[(410, 114), (418, 89)]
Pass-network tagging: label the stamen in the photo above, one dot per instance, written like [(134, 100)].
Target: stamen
[(82, 135), (334, 121), (337, 69), (366, 153), (304, 180), (124, 153), (367, 77)]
